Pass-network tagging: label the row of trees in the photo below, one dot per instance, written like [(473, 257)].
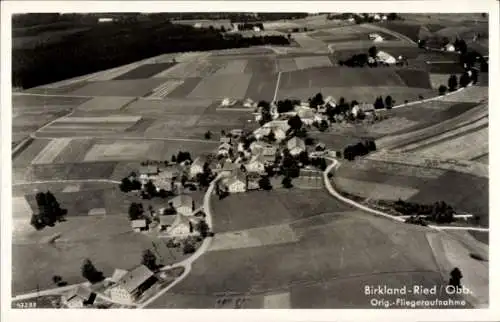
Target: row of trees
[(465, 79), (49, 211), (439, 212), (359, 149), (250, 26)]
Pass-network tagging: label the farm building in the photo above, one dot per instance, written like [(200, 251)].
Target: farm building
[(224, 149), (257, 147), (118, 274), (197, 166), (296, 146), (183, 226), (183, 204), (171, 172), (78, 297), (385, 58), (146, 171), (132, 285), (228, 102), (236, 183), (304, 112), (256, 165), (275, 126), (225, 139), (449, 47), (139, 225), (229, 168), (236, 132), (166, 221)]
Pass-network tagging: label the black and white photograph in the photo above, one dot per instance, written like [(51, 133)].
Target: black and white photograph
[(200, 159)]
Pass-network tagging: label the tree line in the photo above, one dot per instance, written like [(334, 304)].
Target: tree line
[(359, 149)]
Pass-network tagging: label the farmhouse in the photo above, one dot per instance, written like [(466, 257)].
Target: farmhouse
[(225, 140), (139, 225), (146, 171), (228, 168), (224, 149), (296, 146), (256, 165), (236, 183), (118, 274), (449, 47), (132, 285), (166, 221), (183, 204), (276, 126), (197, 166), (78, 297), (183, 226), (228, 102), (385, 58)]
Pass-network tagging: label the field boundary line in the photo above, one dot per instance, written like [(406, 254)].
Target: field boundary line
[(335, 164), (129, 138), (277, 86), (66, 181)]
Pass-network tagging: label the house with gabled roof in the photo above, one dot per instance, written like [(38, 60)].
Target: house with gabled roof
[(139, 225), (296, 146), (197, 165), (183, 226), (256, 164), (132, 285), (183, 204), (236, 183), (78, 297)]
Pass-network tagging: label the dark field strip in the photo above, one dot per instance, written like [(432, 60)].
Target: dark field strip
[(145, 71), (481, 236), (75, 151), (262, 87), (445, 68), (410, 31), (142, 125), (264, 65), (185, 88), (74, 171), (414, 78)]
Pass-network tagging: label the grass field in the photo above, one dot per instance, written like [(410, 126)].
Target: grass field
[(127, 88), (221, 86), (466, 193), (106, 104), (145, 71), (325, 259), (51, 151)]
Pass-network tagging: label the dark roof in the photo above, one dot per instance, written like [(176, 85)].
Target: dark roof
[(135, 278)]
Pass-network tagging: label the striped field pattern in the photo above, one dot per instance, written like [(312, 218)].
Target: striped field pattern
[(51, 151), (166, 88)]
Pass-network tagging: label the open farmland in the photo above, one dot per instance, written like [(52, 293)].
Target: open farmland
[(465, 192), (127, 88), (306, 264)]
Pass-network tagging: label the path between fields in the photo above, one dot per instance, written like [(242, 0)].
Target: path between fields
[(125, 138), (335, 164), (66, 181)]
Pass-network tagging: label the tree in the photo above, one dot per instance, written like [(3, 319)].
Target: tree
[(295, 123), (125, 185), (150, 188), (464, 80), (208, 135), (323, 125), (271, 137), (56, 279), (388, 102), (135, 211), (442, 90), (287, 182), (188, 247), (202, 228), (455, 277), (392, 16), (265, 183), (90, 273), (149, 260), (372, 51), (304, 158), (474, 76), (452, 83), (379, 103), (174, 159), (317, 100)]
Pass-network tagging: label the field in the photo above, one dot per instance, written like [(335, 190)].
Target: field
[(127, 88), (308, 269), (91, 125), (107, 104), (465, 192)]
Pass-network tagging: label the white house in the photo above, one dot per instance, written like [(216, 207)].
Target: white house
[(384, 57), (78, 297), (118, 274), (236, 183), (304, 112), (384, 17), (183, 204), (139, 225), (279, 134), (256, 165), (197, 166), (103, 20), (376, 17), (256, 29), (132, 285), (183, 226), (449, 47), (296, 146)]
